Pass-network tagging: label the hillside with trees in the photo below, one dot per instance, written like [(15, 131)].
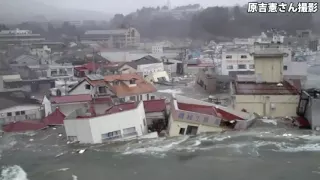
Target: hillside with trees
[(212, 22)]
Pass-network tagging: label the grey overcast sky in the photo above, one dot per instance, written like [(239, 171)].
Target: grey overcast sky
[(127, 6)]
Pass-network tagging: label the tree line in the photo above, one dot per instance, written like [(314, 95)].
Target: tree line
[(212, 22)]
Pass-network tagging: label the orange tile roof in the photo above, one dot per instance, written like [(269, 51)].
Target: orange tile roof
[(123, 77), (122, 89), (143, 87), (96, 82)]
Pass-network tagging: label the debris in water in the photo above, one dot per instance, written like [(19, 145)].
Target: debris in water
[(82, 151), (60, 135), (58, 155), (74, 177), (54, 128), (30, 140)]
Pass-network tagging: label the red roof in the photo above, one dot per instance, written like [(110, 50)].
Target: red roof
[(158, 105), (91, 66), (210, 110), (71, 98), (55, 118), (121, 107), (26, 125), (102, 100)]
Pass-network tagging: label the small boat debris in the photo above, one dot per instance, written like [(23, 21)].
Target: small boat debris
[(81, 151)]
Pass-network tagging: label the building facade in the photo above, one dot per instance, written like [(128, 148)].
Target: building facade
[(118, 123), (190, 117), (236, 62), (119, 38), (267, 93), (17, 36)]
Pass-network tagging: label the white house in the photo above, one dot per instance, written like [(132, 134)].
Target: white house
[(122, 88), (120, 122), (236, 61), (19, 109), (144, 66)]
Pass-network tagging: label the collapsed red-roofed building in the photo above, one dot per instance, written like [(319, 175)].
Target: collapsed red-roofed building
[(190, 117)]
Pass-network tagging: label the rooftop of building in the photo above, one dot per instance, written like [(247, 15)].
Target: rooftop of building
[(254, 88), (15, 99), (198, 106), (106, 32), (144, 60)]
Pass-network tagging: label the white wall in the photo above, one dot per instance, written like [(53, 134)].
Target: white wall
[(148, 69), (32, 112), (68, 108), (81, 89), (234, 61), (80, 128), (108, 123)]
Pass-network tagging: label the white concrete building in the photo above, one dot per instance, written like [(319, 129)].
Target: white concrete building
[(19, 109), (155, 49), (118, 38), (120, 122), (236, 61)]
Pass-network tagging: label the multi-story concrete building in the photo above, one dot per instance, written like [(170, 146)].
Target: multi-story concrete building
[(237, 62), (119, 38), (17, 36), (266, 92)]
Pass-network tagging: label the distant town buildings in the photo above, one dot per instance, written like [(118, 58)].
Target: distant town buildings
[(17, 36), (118, 38)]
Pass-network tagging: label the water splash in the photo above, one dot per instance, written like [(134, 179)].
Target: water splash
[(13, 173)]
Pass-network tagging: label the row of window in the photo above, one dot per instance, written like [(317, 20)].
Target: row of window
[(117, 134), (242, 66), (242, 56), (17, 113)]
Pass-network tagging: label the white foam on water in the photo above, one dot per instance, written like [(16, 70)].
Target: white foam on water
[(13, 173), (171, 91), (301, 148), (6, 143), (270, 121), (74, 177)]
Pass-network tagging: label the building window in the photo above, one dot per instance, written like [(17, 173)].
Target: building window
[(102, 90), (9, 114), (285, 68), (192, 130), (132, 81), (153, 97), (129, 132), (251, 66), (242, 66), (132, 98), (17, 113), (230, 67), (243, 56), (144, 122), (228, 57), (182, 130), (23, 112), (111, 135), (88, 86)]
